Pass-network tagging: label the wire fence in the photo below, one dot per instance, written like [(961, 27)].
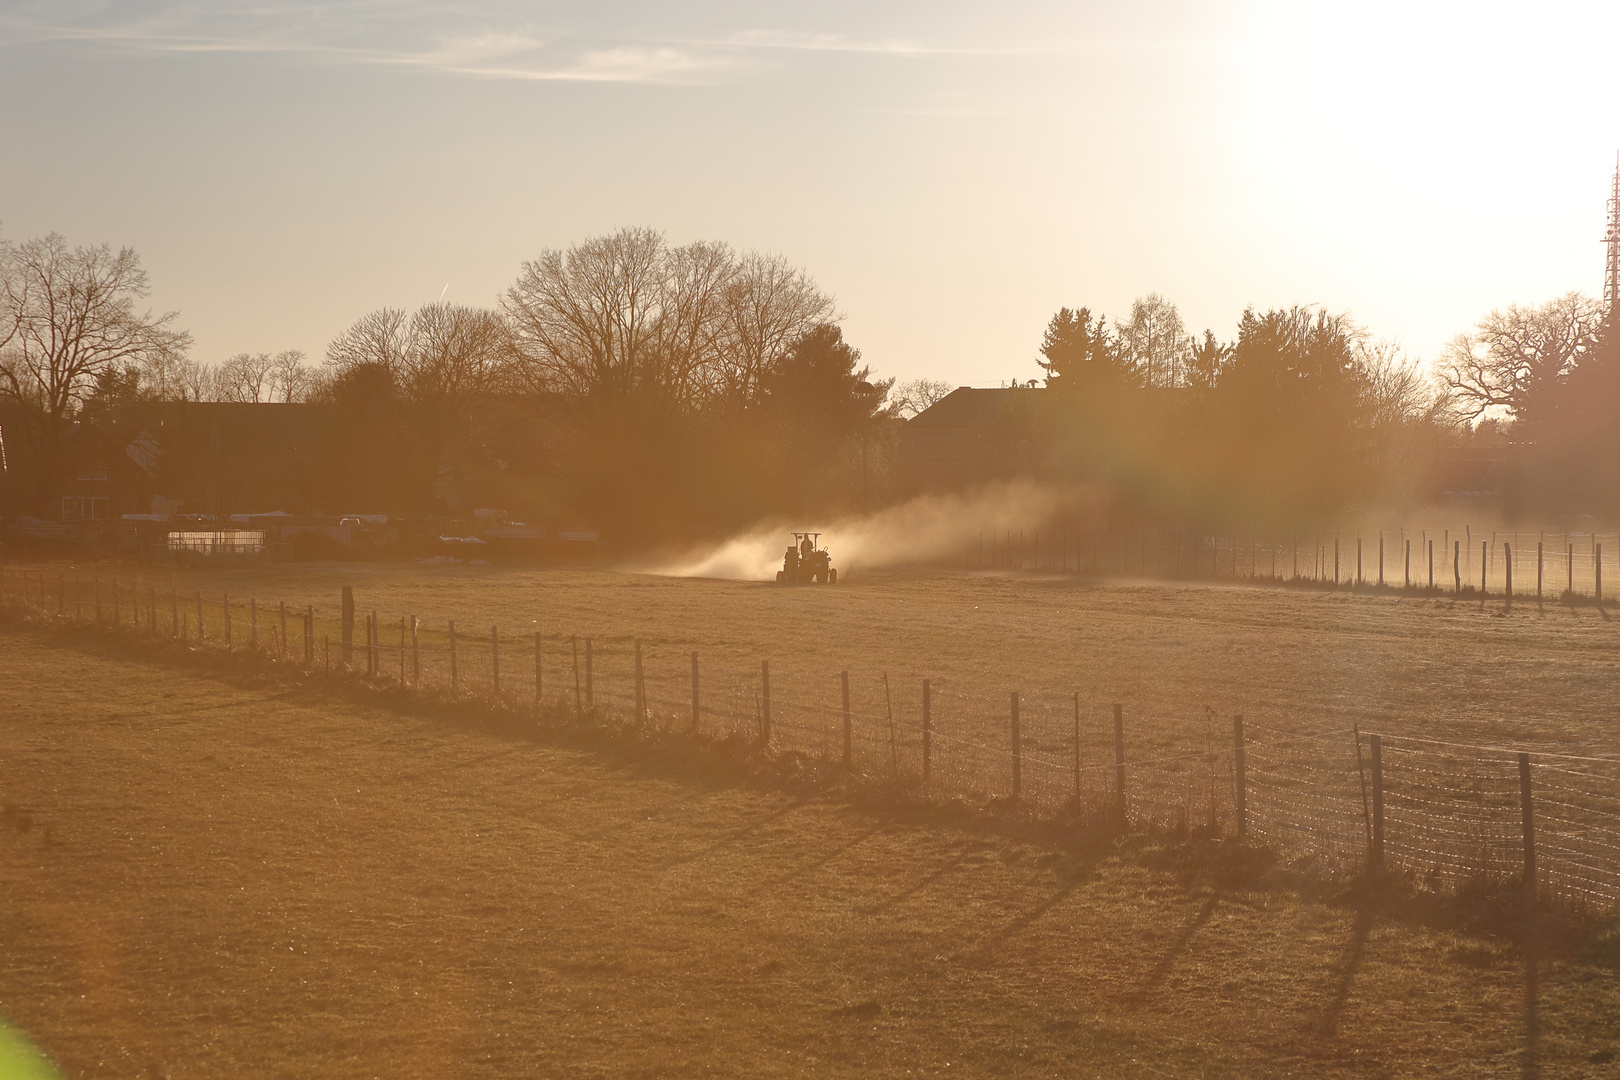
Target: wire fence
[(1541, 564), (1448, 814)]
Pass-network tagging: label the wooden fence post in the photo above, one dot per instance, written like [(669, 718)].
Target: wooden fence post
[(200, 634), (1507, 565), (1528, 818), (1456, 566), (1431, 564), (1540, 564), (1017, 751), (641, 689), (495, 657), (1484, 560), (848, 734), (765, 703), (416, 653), (455, 673), (1408, 573), (1377, 802), (402, 651), (590, 680), (1380, 558), (927, 729), (1119, 762), (1335, 558), (538, 696), (281, 649), (1240, 777), (1597, 572), (696, 711), (346, 636)]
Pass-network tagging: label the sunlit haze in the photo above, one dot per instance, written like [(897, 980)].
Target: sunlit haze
[(952, 173)]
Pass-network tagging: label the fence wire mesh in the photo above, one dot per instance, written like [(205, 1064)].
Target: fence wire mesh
[(1449, 814)]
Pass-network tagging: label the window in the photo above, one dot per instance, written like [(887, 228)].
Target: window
[(92, 472), (84, 508)]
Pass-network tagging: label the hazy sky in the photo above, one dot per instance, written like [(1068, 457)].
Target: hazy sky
[(952, 172)]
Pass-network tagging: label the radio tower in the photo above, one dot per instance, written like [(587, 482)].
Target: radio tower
[(1611, 274)]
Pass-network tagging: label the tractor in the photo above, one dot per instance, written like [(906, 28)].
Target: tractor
[(807, 562)]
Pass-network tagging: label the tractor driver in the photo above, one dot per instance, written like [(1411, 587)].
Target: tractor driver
[(806, 547)]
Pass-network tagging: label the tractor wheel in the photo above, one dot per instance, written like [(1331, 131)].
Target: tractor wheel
[(832, 576)]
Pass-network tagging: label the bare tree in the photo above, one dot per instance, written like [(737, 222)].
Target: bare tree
[(73, 319), (907, 399), (1514, 355), (290, 379), (245, 377), (1155, 341), (769, 306)]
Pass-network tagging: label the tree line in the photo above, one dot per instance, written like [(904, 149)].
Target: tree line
[(651, 388), (623, 381)]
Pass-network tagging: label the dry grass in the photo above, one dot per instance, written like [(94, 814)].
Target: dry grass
[(1546, 677), (211, 877)]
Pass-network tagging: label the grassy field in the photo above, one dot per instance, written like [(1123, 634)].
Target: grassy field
[(1542, 676), (223, 876)]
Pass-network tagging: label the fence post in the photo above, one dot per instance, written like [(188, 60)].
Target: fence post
[(696, 712), (1507, 565), (455, 674), (1380, 558), (590, 680), (1077, 756), (416, 654), (151, 609), (579, 700), (200, 634), (373, 633), (641, 689), (1119, 762), (1484, 567), (346, 638), (1431, 564), (226, 601), (927, 729), (1527, 815), (495, 657), (1540, 563), (1408, 573), (765, 703), (538, 696), (309, 635), (1017, 750), (1456, 566), (253, 624), (848, 735), (1377, 802), (402, 651), (1597, 572), (1240, 777), (281, 649)]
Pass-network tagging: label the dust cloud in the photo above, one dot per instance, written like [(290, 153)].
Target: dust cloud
[(925, 529)]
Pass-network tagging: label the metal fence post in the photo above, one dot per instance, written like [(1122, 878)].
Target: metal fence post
[(1119, 761), (1527, 815), (346, 627), (455, 674), (1017, 751), (765, 703), (848, 739), (1240, 777), (1377, 802)]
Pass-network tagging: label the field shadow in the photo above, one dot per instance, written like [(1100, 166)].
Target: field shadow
[(1161, 970), (1325, 1026)]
